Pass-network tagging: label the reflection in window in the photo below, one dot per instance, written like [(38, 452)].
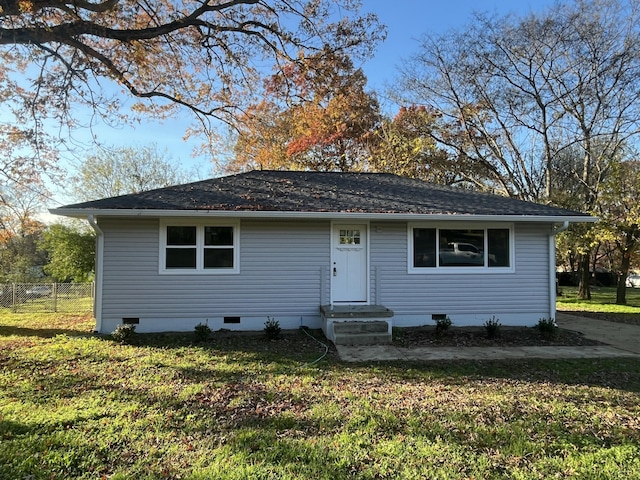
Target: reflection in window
[(440, 247), (461, 248)]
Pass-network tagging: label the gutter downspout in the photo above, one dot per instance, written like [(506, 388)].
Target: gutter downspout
[(97, 307), (552, 268)]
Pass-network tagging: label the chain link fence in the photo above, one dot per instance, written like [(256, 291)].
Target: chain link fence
[(47, 297)]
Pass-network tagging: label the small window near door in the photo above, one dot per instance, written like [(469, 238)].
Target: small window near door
[(349, 237)]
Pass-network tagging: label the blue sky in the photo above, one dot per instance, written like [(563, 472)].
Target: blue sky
[(406, 20)]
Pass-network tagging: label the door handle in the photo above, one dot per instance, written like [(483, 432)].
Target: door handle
[(335, 271)]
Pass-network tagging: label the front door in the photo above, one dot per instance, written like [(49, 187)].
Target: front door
[(349, 264)]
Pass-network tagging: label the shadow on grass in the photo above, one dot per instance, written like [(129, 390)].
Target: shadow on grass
[(295, 350), (7, 331)]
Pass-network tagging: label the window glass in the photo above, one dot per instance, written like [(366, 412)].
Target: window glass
[(218, 236), (199, 248), (424, 247), (498, 247), (461, 248), (349, 237), (181, 258), (181, 235), (218, 258)]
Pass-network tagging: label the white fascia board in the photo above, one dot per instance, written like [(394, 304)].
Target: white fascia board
[(77, 213)]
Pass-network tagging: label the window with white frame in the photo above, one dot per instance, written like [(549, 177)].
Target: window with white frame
[(460, 249), (197, 247)]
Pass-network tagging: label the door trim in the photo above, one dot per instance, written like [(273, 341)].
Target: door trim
[(332, 236)]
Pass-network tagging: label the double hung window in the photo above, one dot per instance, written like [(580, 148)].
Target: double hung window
[(198, 247)]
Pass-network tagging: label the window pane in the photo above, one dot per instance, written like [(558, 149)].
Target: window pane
[(349, 237), (218, 258), (461, 248), (424, 247), (218, 235), (181, 258), (181, 235), (498, 240)]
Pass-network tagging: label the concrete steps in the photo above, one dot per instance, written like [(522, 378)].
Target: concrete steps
[(361, 333), (357, 324)]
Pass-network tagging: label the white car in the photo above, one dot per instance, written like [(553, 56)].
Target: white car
[(633, 280)]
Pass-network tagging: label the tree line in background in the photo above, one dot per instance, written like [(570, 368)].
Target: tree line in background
[(543, 107)]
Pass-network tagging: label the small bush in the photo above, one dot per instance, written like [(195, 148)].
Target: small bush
[(124, 333), (202, 332), (547, 327), (493, 327), (272, 329), (442, 325)]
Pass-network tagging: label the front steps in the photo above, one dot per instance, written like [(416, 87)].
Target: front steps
[(357, 324)]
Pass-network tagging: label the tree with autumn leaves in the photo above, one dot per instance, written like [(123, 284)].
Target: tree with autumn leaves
[(316, 115), (206, 58)]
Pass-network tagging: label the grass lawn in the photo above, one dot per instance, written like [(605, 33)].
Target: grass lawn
[(603, 299), (74, 405)]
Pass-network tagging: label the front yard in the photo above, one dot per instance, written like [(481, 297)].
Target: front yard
[(602, 304), (240, 407)]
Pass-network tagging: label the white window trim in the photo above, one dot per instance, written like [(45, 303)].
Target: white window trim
[(200, 225), (460, 270)]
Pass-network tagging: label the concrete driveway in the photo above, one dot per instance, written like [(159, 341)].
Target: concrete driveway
[(619, 335)]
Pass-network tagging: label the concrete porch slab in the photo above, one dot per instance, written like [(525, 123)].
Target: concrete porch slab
[(355, 311)]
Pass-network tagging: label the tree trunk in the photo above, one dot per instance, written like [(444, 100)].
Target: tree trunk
[(584, 287), (625, 264)]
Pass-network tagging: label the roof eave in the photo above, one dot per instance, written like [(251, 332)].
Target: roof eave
[(86, 213)]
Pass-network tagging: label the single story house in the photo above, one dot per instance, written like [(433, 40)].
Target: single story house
[(319, 248)]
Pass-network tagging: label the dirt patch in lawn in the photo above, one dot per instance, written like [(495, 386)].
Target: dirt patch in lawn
[(477, 337)]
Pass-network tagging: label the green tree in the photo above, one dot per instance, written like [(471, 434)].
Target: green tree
[(404, 145), (70, 250), (20, 231), (122, 170), (619, 224)]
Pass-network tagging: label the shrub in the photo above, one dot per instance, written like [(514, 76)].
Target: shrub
[(272, 329), (493, 327), (123, 333), (547, 327), (202, 332), (443, 324)]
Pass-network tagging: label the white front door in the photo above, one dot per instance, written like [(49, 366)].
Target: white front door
[(349, 264)]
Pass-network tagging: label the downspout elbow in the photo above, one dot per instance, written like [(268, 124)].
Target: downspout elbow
[(561, 229)]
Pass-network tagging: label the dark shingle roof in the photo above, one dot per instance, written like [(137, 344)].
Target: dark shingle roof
[(283, 191)]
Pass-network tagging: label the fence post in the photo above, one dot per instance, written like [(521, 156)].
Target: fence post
[(54, 292), (14, 299)]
